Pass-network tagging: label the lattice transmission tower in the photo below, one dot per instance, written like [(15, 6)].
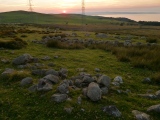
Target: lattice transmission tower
[(83, 12), (30, 6)]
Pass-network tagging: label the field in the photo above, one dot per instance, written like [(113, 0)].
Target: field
[(133, 63)]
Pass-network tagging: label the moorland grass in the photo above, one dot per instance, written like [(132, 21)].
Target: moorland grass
[(18, 103)]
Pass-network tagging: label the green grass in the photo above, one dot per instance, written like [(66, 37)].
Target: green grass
[(39, 18), (18, 103)]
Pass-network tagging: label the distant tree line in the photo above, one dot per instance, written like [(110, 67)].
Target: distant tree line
[(150, 23)]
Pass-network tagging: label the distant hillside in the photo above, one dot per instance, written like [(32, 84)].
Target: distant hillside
[(33, 17)]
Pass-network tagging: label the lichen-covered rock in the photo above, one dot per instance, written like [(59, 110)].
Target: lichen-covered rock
[(154, 108), (23, 59), (118, 79), (158, 94), (33, 88), (112, 110), (43, 85), (104, 90), (140, 115), (104, 81), (8, 71), (149, 96), (63, 88), (52, 71), (51, 78), (59, 97), (94, 92), (26, 81)]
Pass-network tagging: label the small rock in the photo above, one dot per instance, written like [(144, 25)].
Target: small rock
[(112, 110), (23, 59), (97, 70), (78, 83), (51, 64), (149, 96), (51, 78), (140, 115), (33, 88), (84, 91), (63, 73), (154, 108), (26, 81), (43, 85), (118, 79), (52, 71), (8, 71), (104, 90), (68, 110), (104, 81), (147, 80), (63, 88), (79, 100), (59, 97), (46, 58), (158, 94)]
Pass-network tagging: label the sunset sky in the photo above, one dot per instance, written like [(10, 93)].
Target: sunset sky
[(74, 6)]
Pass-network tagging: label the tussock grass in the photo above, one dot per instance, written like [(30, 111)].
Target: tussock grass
[(15, 43), (140, 56)]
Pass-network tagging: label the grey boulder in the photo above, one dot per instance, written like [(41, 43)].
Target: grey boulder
[(23, 59), (94, 92)]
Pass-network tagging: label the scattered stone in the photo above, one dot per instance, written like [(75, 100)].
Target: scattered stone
[(118, 79), (104, 81), (84, 91), (68, 110), (51, 64), (94, 92), (46, 58), (79, 100), (80, 69), (23, 59), (147, 80), (104, 90), (88, 79), (158, 94), (112, 110), (59, 97), (33, 88), (43, 85), (154, 108), (63, 73), (149, 96), (8, 71), (51, 71), (39, 72), (63, 88), (51, 78), (97, 70), (56, 57), (140, 115), (26, 81), (5, 61), (78, 83)]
